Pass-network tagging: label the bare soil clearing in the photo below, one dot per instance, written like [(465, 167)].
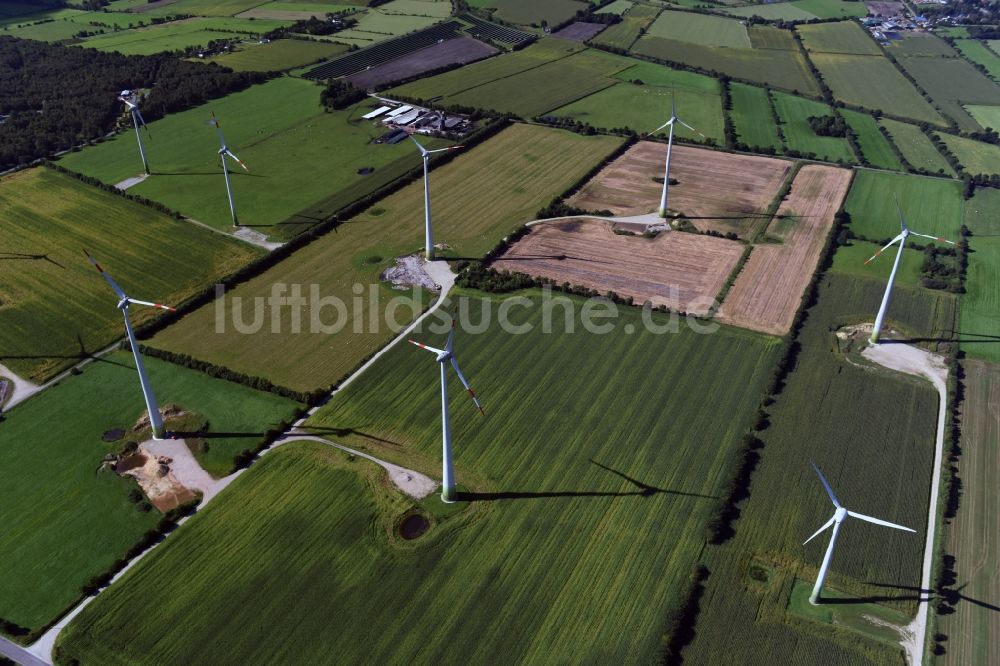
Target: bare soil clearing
[(679, 270), (156, 479), (715, 190), (768, 290)]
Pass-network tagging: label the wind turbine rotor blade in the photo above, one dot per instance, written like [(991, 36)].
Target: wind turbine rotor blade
[(423, 151), (111, 281), (443, 150), (129, 104), (461, 377), (829, 490), (820, 530), (937, 238), (666, 124), (152, 305), (238, 161), (887, 246), (877, 521), (423, 346), (902, 220), (691, 128)]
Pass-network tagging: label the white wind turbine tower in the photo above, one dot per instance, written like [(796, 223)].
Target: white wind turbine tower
[(428, 233), (137, 119), (670, 144), (223, 152), (838, 517), (155, 420), (901, 238), (443, 356)]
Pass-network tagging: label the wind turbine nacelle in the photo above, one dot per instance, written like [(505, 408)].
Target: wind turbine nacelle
[(126, 93), (443, 356), (840, 514)]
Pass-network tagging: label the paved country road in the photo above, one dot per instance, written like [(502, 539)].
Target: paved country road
[(19, 654)]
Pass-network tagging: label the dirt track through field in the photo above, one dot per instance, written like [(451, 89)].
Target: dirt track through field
[(768, 290), (710, 184), (679, 270)]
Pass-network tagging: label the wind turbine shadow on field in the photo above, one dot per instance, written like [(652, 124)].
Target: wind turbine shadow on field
[(14, 256), (949, 595), (975, 338), (208, 434), (557, 257), (343, 432), (642, 490), (82, 355)]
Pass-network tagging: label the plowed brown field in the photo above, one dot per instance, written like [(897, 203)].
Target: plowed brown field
[(715, 190), (679, 270), (768, 290)]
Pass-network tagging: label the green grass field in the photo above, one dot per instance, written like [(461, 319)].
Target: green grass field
[(977, 52), (875, 147), (278, 55), (700, 29), (920, 44), (777, 67), (179, 35), (646, 107), (752, 117), (916, 147), (976, 156), (529, 12), (55, 31), (952, 82), (54, 306), (623, 35), (393, 19), (616, 7), (218, 8), (64, 519), (842, 37), (987, 116), (876, 465), (576, 537), (931, 205), (850, 260), (873, 82), (778, 11), (492, 190), (980, 311), (794, 113), (558, 73), (299, 157), (972, 630)]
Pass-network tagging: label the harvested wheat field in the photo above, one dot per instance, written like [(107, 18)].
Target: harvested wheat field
[(715, 190), (768, 290), (681, 271)]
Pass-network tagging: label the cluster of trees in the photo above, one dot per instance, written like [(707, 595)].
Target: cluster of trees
[(829, 125), (340, 95), (679, 628), (57, 97), (720, 528), (315, 26), (940, 269)]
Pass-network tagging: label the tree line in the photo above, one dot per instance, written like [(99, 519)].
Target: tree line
[(53, 97)]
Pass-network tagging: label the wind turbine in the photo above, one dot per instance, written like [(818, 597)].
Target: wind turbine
[(155, 420), (670, 144), (838, 517), (137, 119), (428, 234), (223, 152), (903, 234), (443, 356)]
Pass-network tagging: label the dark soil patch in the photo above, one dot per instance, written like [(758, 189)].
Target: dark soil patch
[(113, 435), (413, 527), (133, 461)]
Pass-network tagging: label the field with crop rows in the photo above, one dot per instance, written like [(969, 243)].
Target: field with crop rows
[(916, 147), (952, 82), (278, 55), (842, 37), (634, 21), (553, 84), (492, 190), (876, 465), (763, 36), (64, 519), (920, 44), (701, 29), (873, 82), (973, 629), (298, 156), (56, 308), (931, 205), (794, 113), (752, 117), (874, 146), (537, 537), (647, 106), (980, 312), (776, 67), (976, 157)]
